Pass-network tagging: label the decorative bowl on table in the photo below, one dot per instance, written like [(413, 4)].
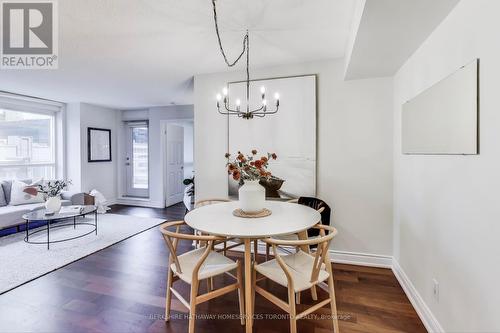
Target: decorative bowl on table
[(272, 185)]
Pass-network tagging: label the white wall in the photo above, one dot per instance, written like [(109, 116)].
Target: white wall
[(354, 149), (446, 209), (188, 149), (73, 146), (99, 175), (84, 175)]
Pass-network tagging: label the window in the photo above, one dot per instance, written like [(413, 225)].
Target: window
[(27, 145)]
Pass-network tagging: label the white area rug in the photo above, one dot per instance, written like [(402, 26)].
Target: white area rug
[(21, 262)]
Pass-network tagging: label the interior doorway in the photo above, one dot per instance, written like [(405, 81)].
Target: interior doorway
[(179, 138)]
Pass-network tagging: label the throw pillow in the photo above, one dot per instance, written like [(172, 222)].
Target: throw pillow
[(19, 197), (6, 185), (3, 201)]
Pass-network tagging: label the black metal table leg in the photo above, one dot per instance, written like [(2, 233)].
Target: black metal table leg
[(27, 228), (96, 222), (48, 235)]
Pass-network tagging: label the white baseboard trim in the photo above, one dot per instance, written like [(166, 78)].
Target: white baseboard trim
[(340, 257), (428, 319), (361, 259), (111, 201), (138, 202)]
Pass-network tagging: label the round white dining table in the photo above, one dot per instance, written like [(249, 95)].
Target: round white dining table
[(286, 218)]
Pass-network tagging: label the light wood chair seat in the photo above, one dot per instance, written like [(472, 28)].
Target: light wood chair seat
[(300, 265), (215, 264)]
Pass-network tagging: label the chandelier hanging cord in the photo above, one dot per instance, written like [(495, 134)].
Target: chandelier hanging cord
[(245, 41)]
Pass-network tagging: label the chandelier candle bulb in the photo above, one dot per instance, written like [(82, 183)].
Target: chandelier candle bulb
[(219, 97), (224, 91)]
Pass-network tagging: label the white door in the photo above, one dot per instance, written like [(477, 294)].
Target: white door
[(137, 160), (175, 164)]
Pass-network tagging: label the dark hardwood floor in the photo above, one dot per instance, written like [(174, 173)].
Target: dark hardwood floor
[(122, 289)]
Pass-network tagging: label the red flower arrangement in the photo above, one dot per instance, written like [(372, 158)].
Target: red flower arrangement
[(249, 167)]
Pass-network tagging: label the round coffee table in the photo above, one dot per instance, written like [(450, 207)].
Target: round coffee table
[(40, 216)]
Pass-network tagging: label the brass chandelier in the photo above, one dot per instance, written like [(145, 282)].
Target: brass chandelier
[(247, 112)]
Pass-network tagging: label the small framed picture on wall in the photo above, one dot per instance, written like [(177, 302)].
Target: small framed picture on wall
[(99, 144)]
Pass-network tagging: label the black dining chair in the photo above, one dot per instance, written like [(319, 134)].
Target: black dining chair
[(318, 205)]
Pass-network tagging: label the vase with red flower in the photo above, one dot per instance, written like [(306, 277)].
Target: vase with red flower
[(249, 170)]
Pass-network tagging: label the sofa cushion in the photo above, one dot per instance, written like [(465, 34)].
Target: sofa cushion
[(3, 201), (19, 197), (12, 215), (40, 205), (6, 186), (33, 206)]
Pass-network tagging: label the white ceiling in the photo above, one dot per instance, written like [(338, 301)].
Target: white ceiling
[(389, 32), (138, 53)]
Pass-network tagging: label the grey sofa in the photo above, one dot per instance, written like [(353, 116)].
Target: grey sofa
[(11, 216)]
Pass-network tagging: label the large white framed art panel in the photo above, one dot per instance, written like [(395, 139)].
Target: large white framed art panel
[(444, 118), (290, 133)]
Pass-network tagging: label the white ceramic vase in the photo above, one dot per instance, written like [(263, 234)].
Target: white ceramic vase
[(53, 204), (252, 196)]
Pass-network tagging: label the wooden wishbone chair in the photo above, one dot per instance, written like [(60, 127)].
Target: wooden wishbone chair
[(206, 202), (300, 271), (294, 237), (201, 203), (193, 266), (236, 241)]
